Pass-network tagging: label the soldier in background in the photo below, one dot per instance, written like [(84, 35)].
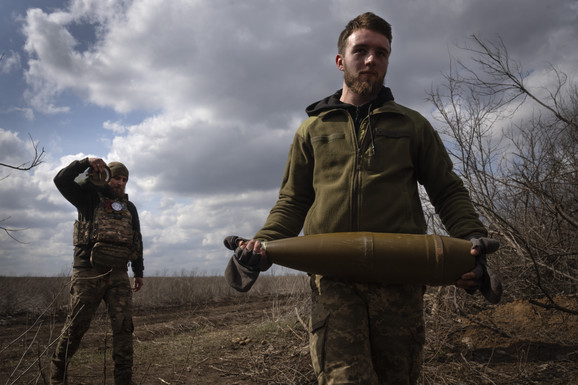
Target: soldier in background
[(355, 165), (106, 238)]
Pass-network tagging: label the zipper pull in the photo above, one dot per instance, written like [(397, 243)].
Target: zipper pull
[(370, 130)]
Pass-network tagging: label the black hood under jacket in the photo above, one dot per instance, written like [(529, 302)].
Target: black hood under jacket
[(332, 102)]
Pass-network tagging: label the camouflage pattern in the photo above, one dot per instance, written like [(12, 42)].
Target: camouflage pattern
[(89, 286), (81, 235), (366, 333), (111, 256), (111, 223)]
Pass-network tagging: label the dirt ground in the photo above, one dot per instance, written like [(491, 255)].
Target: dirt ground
[(264, 341)]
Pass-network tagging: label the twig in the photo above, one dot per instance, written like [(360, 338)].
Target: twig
[(553, 305), (294, 332), (300, 320), (145, 373), (35, 161), (187, 358), (222, 370), (24, 354)]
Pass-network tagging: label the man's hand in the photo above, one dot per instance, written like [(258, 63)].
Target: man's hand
[(249, 253), (252, 255), (254, 246), (137, 284), (97, 164), (482, 277), (471, 280)]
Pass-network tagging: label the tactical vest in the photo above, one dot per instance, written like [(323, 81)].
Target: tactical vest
[(110, 233)]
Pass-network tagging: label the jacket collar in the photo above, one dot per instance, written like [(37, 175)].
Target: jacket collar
[(332, 102)]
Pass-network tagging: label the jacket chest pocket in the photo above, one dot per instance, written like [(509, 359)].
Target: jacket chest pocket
[(393, 152), (332, 152)]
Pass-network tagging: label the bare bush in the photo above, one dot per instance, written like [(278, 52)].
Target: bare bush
[(523, 175)]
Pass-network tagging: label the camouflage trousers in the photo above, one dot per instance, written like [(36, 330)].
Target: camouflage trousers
[(366, 333), (89, 286)]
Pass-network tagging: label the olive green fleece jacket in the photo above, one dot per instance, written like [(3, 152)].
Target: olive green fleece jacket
[(339, 180)]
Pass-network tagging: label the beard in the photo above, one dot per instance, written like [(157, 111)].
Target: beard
[(116, 191), (362, 87)]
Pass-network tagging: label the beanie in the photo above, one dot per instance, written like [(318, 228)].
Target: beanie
[(117, 168)]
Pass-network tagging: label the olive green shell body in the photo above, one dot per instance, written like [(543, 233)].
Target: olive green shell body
[(376, 257)]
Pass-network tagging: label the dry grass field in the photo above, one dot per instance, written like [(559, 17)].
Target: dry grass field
[(196, 330)]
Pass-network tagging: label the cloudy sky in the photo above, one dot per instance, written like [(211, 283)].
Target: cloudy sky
[(200, 99)]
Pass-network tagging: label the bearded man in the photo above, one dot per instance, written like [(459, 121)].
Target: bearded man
[(354, 166), (106, 239)]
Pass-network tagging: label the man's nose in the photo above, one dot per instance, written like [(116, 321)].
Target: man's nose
[(370, 59)]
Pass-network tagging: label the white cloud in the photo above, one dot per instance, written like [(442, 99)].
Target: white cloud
[(219, 88), (9, 61)]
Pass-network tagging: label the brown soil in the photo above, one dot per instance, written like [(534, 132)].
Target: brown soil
[(263, 341)]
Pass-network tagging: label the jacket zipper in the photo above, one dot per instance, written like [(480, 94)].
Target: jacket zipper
[(360, 147), (355, 184)]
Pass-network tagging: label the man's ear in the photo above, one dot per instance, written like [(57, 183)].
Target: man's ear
[(339, 62)]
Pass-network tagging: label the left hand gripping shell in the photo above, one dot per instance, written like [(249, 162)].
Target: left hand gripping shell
[(99, 178)]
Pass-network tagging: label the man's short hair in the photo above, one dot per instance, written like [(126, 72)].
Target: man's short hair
[(368, 21)]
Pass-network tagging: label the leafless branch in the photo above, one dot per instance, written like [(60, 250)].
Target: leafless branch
[(36, 160), (9, 231)]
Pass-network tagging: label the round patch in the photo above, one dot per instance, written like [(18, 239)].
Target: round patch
[(116, 206)]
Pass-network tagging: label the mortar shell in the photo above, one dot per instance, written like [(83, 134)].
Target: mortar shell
[(376, 257)]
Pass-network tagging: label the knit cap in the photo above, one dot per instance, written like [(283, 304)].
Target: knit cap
[(117, 168)]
